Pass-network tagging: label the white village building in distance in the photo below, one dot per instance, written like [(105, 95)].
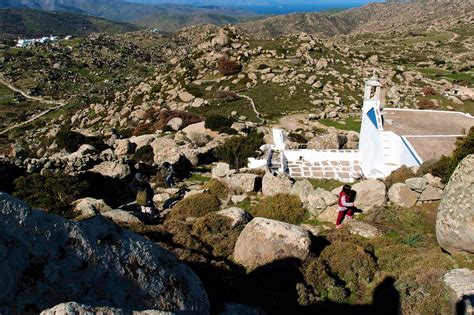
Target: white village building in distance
[(26, 42), (389, 138)]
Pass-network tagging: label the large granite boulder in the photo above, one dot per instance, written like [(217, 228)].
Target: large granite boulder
[(370, 193), (47, 260), (401, 195), (74, 308), (302, 189), (242, 182), (320, 199), (455, 220), (276, 184), (112, 169), (263, 241)]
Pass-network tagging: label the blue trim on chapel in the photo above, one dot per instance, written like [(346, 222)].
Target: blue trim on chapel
[(372, 117)]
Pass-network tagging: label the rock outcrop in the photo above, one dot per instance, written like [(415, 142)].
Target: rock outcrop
[(73, 308), (276, 184), (401, 195), (263, 241), (47, 260), (454, 223)]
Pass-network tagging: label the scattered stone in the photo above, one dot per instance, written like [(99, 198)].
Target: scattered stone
[(186, 97), (175, 123), (221, 170), (89, 207), (112, 169), (122, 217), (401, 195), (275, 184), (238, 216), (431, 194), (123, 147), (418, 184), (263, 241), (363, 229)]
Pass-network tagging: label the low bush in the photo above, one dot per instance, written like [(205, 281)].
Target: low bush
[(144, 154), (226, 66), (225, 96), (215, 122), (216, 232), (296, 137), (399, 176), (228, 130), (69, 140), (281, 207), (216, 188), (52, 192), (262, 66), (428, 90), (195, 206), (425, 103)]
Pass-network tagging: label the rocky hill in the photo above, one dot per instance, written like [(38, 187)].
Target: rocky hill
[(16, 23), (374, 17)]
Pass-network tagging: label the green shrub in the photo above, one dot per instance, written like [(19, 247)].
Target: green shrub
[(262, 66), (195, 206), (350, 262), (228, 130), (323, 285), (52, 192), (226, 66), (216, 188), (399, 176), (215, 231), (236, 150), (144, 154), (225, 96), (69, 140), (215, 122), (281, 207), (195, 90)]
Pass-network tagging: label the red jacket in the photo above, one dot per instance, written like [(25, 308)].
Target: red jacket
[(343, 201)]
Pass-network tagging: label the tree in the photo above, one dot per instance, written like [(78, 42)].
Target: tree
[(238, 149)]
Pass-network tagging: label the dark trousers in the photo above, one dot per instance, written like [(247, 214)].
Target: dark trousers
[(342, 215)]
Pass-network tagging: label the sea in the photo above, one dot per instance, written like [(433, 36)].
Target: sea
[(271, 9)]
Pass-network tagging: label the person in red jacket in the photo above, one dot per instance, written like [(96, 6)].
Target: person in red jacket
[(346, 205)]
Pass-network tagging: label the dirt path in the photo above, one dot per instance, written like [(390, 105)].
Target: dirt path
[(33, 98), (297, 121), (257, 113)]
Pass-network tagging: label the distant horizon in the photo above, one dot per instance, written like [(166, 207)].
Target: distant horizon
[(269, 6)]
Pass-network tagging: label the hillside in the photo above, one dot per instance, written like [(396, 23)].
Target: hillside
[(372, 17), (32, 23), (167, 17)]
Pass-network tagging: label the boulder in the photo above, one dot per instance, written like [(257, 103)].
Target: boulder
[(89, 207), (263, 241), (434, 181), (165, 150), (454, 222), (275, 184), (175, 123), (242, 182), (143, 140), (123, 147), (122, 217), (186, 97), (370, 193), (329, 214), (221, 170), (238, 216), (401, 195), (302, 189), (47, 260), (431, 194), (320, 199), (418, 184), (112, 169), (363, 229), (73, 308)]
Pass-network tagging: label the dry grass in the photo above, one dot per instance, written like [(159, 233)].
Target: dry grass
[(281, 207)]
